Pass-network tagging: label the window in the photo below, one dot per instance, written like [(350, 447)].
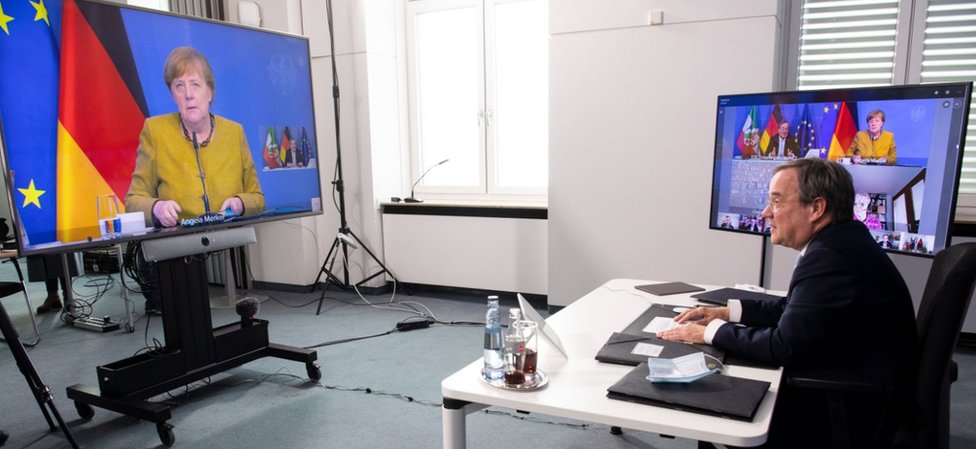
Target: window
[(478, 73), (162, 5), (854, 43)]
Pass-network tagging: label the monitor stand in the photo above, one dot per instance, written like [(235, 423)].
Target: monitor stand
[(194, 350), (230, 297)]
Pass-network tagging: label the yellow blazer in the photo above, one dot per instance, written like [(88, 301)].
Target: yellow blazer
[(863, 146), (166, 169)]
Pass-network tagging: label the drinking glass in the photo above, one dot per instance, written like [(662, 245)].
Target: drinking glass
[(107, 208), (522, 356)]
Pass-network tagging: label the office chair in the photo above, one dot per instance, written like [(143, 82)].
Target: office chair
[(941, 313), (940, 317)]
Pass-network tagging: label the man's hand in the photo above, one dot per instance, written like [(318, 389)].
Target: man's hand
[(703, 315), (690, 332), (167, 212)]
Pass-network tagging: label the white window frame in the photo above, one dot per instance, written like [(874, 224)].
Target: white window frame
[(414, 8), (487, 189)]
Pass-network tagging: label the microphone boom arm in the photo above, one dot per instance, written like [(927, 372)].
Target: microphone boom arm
[(414, 199)]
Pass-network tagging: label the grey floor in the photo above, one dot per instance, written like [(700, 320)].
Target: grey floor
[(270, 403)]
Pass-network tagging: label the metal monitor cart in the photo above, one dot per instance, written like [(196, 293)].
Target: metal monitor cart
[(194, 348)]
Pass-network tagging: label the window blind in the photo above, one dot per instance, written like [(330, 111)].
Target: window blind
[(855, 43), (847, 44), (949, 55)]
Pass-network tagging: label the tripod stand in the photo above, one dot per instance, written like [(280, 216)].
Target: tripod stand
[(345, 238), (41, 392)]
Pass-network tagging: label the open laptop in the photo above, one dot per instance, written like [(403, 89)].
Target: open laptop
[(547, 331)]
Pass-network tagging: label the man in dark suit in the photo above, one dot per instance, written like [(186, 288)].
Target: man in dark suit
[(847, 311), (783, 144)]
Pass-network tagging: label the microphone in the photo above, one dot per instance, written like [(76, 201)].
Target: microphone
[(196, 151), (414, 199), (247, 307)]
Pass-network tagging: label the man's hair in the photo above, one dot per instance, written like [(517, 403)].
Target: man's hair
[(819, 178)]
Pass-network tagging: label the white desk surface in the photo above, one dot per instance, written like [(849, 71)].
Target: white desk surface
[(577, 387)]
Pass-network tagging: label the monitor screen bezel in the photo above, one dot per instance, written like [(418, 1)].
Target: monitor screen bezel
[(16, 227), (913, 91)]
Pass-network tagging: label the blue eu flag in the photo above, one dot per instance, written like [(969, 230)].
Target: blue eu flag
[(29, 37)]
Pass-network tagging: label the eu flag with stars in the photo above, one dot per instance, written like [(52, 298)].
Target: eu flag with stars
[(806, 135), (29, 36)]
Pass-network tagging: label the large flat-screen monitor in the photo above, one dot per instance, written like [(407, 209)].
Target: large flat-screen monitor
[(80, 79), (903, 146)]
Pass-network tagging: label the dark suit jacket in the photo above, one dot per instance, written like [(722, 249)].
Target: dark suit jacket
[(847, 310), (791, 145)]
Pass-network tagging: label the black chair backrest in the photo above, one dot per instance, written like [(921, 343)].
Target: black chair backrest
[(940, 318)]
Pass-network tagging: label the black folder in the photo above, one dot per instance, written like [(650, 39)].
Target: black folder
[(669, 288), (655, 310), (716, 395), (723, 295), (619, 349)]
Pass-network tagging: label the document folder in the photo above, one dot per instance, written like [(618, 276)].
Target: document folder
[(619, 349), (620, 346), (716, 395), (723, 295), (669, 288)]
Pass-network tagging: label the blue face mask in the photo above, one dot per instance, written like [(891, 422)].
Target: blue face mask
[(684, 369)]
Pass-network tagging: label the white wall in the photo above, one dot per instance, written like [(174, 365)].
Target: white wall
[(279, 15), (292, 251), (632, 111), (506, 254)]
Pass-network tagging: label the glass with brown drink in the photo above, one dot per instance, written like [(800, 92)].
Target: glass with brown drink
[(521, 350)]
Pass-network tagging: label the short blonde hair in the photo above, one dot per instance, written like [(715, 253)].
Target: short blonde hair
[(876, 113), (181, 60)]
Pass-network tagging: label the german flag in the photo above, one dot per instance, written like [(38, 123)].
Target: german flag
[(844, 131), (100, 115), (772, 129)]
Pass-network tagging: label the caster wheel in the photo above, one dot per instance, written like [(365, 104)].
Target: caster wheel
[(166, 435), (85, 411), (313, 370), (615, 430)]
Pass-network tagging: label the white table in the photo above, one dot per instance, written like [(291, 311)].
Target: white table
[(578, 385)]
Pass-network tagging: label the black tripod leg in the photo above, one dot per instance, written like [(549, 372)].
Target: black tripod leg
[(318, 309), (375, 259), (42, 393), (329, 277), (322, 269), (64, 427)]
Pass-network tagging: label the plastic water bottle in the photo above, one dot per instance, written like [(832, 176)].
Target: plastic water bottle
[(494, 358)]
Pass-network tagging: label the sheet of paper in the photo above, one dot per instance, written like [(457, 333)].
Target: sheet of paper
[(647, 349), (547, 331), (659, 324)]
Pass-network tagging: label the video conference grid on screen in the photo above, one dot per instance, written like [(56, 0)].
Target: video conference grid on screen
[(902, 145)]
